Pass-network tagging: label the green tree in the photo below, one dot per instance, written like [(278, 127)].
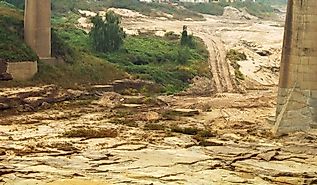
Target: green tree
[(107, 35), (187, 40)]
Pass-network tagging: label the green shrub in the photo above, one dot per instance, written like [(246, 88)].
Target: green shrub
[(234, 56), (187, 40), (81, 67), (107, 36), (61, 49), (183, 55)]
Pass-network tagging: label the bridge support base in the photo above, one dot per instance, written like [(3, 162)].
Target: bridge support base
[(297, 98)]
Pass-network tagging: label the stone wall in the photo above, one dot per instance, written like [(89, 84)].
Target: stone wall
[(22, 70), (298, 74)]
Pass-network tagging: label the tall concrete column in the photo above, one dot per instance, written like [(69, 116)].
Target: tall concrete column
[(37, 26), (297, 97)]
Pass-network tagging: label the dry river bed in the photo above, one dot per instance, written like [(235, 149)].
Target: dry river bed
[(121, 139)]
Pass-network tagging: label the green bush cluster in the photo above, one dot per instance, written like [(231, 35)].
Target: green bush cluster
[(161, 60), (80, 66), (234, 55), (62, 49)]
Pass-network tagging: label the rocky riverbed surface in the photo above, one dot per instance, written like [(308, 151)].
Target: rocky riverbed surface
[(62, 136)]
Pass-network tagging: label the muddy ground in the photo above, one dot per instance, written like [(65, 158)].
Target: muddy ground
[(226, 139), (99, 136)]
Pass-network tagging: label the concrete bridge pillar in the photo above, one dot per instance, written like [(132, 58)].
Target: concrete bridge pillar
[(37, 26), (297, 98)]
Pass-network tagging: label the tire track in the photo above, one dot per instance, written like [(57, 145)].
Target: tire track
[(219, 66)]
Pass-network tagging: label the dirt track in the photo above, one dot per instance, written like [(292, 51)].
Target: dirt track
[(219, 66)]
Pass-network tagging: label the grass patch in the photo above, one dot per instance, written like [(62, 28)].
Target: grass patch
[(70, 44), (146, 57), (156, 59), (91, 133), (234, 56), (90, 70), (12, 46), (80, 66)]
